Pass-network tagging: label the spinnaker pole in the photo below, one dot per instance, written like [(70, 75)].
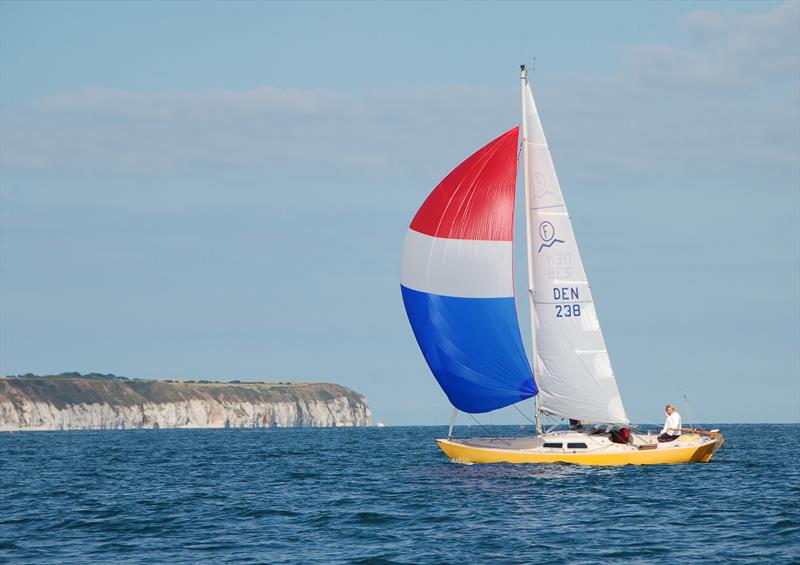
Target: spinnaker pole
[(523, 75), (452, 423)]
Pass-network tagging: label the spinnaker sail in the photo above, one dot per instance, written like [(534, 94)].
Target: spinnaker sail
[(457, 282)]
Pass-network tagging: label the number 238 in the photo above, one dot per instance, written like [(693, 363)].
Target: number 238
[(568, 310)]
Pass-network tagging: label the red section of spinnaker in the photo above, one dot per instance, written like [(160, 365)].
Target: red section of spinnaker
[(476, 200)]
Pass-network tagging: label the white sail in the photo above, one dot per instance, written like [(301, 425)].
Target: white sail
[(571, 364)]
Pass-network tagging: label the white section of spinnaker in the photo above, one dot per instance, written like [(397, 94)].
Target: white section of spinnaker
[(457, 267), (570, 361)]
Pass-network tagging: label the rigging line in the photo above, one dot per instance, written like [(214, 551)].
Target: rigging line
[(688, 411), (558, 422), (643, 422), (646, 422), (523, 414), (691, 414), (487, 429)]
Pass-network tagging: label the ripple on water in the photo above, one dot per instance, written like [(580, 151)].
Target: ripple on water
[(381, 496)]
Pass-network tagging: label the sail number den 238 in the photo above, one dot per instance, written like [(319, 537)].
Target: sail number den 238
[(567, 294)]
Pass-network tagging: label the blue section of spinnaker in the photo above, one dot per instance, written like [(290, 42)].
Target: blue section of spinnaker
[(473, 347)]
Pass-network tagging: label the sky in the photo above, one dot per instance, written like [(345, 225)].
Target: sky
[(208, 190)]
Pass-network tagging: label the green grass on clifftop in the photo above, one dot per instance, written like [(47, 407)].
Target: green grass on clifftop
[(74, 388)]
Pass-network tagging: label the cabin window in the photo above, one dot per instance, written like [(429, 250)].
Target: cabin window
[(576, 446), (554, 445)]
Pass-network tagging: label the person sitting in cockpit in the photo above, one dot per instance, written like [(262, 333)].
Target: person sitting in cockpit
[(672, 426)]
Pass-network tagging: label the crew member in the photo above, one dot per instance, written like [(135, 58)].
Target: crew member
[(575, 424), (672, 425)]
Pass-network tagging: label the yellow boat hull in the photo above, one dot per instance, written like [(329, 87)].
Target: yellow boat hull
[(670, 454)]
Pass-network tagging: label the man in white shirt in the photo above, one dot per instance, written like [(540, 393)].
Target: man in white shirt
[(672, 426)]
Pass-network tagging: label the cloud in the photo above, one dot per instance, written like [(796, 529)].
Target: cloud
[(726, 104), (263, 127), (728, 50)]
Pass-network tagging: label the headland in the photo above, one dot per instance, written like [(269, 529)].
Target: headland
[(72, 401)]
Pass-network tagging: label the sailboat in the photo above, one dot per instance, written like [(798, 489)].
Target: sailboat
[(457, 286)]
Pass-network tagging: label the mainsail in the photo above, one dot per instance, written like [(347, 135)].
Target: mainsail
[(457, 282), (571, 363)]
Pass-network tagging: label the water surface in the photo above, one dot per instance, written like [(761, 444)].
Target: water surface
[(383, 495)]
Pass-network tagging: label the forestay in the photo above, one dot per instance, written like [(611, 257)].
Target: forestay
[(571, 363)]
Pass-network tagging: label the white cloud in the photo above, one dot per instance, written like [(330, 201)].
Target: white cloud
[(727, 103), (267, 126), (729, 50)]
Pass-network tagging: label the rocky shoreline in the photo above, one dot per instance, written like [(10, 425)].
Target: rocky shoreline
[(95, 402)]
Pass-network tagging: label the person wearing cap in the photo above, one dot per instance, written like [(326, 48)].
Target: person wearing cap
[(672, 425)]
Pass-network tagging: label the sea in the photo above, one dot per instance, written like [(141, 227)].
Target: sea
[(384, 495)]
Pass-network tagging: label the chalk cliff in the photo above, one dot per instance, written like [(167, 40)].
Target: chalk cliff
[(90, 402)]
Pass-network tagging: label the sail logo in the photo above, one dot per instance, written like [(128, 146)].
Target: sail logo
[(548, 234), (539, 184), (541, 187)]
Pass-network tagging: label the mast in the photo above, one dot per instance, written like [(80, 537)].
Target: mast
[(523, 75)]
